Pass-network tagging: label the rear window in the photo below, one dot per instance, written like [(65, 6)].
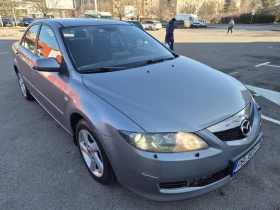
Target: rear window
[(28, 19)]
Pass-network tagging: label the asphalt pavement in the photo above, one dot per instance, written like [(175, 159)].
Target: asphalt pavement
[(41, 168)]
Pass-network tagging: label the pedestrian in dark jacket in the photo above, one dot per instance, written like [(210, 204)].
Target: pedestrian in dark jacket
[(169, 37)]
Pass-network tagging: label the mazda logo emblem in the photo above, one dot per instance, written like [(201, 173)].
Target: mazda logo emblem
[(246, 128)]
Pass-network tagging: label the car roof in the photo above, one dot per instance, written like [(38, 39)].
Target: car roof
[(66, 22)]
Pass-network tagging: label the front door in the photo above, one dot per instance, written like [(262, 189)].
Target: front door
[(50, 85), (25, 56)]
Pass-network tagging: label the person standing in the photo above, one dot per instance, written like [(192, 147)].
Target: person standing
[(230, 25), (169, 37)]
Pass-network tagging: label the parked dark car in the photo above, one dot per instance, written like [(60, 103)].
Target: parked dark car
[(164, 23), (6, 21), (135, 22), (180, 24), (26, 21)]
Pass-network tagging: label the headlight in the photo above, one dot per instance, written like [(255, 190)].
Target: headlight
[(165, 142)]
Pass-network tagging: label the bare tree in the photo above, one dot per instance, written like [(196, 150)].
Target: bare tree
[(120, 8), (160, 9), (45, 6), (230, 6), (246, 6), (105, 6), (6, 7), (139, 7), (207, 10), (188, 9)]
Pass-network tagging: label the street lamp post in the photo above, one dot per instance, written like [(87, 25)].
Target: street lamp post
[(95, 5)]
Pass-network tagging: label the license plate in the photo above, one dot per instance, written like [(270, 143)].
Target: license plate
[(242, 161)]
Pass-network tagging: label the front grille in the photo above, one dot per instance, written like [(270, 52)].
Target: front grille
[(198, 182), (234, 133)]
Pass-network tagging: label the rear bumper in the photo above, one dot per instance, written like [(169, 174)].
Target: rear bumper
[(144, 172)]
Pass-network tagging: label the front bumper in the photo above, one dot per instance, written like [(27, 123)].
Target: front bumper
[(146, 173)]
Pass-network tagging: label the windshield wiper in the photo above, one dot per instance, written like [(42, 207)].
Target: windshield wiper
[(159, 60), (105, 69)]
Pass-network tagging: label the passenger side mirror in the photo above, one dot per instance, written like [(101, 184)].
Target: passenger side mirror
[(47, 65)]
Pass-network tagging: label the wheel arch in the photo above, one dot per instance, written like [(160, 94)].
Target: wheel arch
[(16, 69), (75, 117)]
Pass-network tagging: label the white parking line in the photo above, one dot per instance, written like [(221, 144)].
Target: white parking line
[(274, 66), (262, 64), (268, 94), (270, 119), (4, 53), (266, 64)]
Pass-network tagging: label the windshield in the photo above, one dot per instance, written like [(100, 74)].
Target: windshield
[(28, 19), (94, 47)]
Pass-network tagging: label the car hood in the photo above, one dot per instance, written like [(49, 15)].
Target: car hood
[(172, 96)]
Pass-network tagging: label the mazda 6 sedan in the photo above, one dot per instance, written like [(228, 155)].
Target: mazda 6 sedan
[(163, 125)]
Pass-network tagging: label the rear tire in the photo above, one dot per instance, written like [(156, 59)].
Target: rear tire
[(150, 28), (93, 154), (25, 92)]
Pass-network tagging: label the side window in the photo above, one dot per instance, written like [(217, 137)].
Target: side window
[(29, 39), (47, 44)]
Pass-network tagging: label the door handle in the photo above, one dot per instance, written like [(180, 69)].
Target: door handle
[(16, 52), (34, 70)]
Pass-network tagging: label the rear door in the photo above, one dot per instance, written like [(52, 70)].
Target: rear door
[(25, 56), (50, 85), (151, 24), (145, 24)]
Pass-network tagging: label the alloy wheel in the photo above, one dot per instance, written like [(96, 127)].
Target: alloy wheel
[(91, 153), (21, 84)]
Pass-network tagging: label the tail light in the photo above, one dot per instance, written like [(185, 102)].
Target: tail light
[(154, 24)]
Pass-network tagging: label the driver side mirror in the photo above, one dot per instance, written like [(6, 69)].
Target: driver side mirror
[(47, 65)]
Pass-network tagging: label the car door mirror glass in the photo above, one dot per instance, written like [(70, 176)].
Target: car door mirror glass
[(47, 65)]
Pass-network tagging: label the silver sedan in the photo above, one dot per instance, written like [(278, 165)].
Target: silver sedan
[(163, 125)]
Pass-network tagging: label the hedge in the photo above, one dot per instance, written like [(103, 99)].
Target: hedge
[(246, 18)]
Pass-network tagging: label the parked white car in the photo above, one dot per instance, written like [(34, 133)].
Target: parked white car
[(195, 24), (152, 25), (203, 23)]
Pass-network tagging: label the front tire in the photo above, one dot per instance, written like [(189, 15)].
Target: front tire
[(26, 94), (93, 154)]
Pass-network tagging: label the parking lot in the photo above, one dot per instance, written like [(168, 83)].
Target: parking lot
[(41, 168)]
